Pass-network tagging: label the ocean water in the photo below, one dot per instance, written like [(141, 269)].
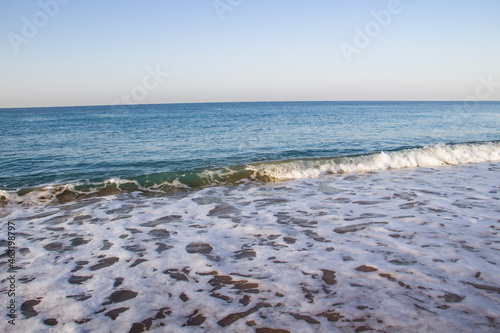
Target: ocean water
[(249, 217), (89, 149)]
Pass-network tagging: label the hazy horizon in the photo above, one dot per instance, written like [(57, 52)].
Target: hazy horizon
[(459, 103), (74, 53)]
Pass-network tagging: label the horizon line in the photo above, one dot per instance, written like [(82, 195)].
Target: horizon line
[(234, 102)]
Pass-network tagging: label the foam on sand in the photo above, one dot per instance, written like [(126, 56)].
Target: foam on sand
[(405, 250)]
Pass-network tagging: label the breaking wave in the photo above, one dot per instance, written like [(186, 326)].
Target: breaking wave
[(435, 156)]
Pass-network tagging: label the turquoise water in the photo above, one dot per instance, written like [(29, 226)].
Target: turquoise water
[(164, 145)]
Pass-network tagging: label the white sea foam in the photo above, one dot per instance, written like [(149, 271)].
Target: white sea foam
[(405, 250), (435, 156)]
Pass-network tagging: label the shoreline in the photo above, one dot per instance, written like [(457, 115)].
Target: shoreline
[(412, 249)]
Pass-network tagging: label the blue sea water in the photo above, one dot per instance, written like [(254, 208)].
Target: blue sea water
[(168, 144)]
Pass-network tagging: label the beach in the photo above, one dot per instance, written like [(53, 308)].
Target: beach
[(412, 249), (233, 166)]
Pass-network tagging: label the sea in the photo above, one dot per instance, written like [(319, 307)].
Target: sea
[(251, 217)]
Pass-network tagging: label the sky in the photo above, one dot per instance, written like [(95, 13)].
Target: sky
[(95, 52)]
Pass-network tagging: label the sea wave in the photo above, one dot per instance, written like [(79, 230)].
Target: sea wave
[(439, 155), (274, 171)]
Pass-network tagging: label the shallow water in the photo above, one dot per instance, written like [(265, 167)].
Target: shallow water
[(413, 250)]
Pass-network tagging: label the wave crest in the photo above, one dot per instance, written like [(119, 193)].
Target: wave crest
[(439, 155), (436, 156)]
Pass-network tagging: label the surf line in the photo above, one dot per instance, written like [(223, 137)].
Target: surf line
[(11, 251)]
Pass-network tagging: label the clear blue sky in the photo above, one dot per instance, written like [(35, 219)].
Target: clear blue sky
[(91, 52)]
